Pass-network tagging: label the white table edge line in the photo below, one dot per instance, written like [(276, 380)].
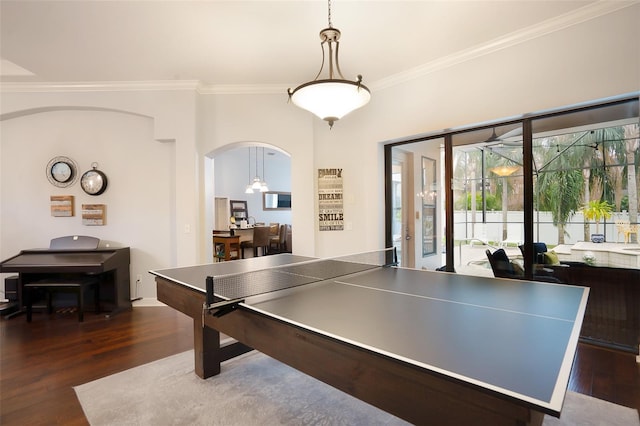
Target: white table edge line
[(455, 302), (483, 385)]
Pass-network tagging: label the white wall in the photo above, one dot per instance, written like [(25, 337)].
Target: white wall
[(592, 60), (145, 143), (137, 198)]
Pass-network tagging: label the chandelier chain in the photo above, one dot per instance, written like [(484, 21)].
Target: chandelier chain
[(329, 13)]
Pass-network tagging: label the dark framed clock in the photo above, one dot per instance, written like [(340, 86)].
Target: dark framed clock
[(62, 172), (94, 181)]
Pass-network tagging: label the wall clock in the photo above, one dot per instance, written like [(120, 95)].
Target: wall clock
[(62, 171), (94, 182)]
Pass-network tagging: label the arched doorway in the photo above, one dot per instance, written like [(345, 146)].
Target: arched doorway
[(228, 172)]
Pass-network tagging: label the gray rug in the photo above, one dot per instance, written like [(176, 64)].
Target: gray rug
[(255, 389)]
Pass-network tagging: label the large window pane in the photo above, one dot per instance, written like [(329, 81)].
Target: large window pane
[(488, 196), (580, 171)]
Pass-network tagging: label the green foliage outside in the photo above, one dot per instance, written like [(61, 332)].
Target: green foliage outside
[(597, 210), (570, 171), (560, 193), (493, 202), (624, 204)]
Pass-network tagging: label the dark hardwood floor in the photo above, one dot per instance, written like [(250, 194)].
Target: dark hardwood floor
[(606, 374), (40, 362)]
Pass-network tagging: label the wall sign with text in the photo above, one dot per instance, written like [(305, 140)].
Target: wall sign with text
[(330, 200)]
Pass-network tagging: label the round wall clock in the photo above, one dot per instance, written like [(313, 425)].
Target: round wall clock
[(62, 171), (94, 182)]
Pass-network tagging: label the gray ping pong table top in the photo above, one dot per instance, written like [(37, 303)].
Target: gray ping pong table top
[(513, 337)]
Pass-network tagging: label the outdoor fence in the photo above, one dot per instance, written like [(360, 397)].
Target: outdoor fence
[(491, 230)]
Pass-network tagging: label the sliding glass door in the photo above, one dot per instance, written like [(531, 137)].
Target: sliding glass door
[(416, 208), (487, 196), (539, 178)]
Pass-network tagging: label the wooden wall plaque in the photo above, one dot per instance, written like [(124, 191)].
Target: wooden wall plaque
[(93, 214), (61, 205)]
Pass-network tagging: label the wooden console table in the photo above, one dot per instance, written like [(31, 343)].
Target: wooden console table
[(226, 247)]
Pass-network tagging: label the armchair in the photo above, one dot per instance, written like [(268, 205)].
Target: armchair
[(502, 267)]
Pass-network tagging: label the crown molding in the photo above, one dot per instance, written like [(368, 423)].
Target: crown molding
[(558, 23), (136, 86), (242, 89), (99, 86)]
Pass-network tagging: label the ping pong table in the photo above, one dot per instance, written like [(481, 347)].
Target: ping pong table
[(428, 347)]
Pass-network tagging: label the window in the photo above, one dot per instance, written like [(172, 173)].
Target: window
[(526, 180)]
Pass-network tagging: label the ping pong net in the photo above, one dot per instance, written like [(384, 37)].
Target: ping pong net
[(225, 292)]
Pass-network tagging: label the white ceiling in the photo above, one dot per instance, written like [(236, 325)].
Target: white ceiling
[(262, 44)]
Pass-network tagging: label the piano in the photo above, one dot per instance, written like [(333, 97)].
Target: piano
[(112, 263)]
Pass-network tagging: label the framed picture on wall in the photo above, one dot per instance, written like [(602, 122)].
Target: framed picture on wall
[(239, 209), (61, 205), (428, 230), (94, 214)]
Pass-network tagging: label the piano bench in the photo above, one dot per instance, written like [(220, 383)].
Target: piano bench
[(71, 286)]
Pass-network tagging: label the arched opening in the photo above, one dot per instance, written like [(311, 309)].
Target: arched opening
[(229, 170)]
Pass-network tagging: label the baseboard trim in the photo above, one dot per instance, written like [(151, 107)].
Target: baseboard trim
[(147, 301)]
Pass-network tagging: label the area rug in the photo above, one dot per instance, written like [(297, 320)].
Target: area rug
[(257, 390)]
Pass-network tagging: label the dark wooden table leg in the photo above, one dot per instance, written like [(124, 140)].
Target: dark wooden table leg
[(206, 345)]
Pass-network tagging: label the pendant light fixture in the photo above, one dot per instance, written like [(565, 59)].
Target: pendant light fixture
[(334, 97), (263, 184), (256, 184), (256, 180), (504, 171), (249, 189)]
